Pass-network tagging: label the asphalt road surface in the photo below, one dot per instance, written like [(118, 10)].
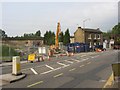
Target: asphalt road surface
[(87, 70)]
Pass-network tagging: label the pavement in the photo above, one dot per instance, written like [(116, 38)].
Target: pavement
[(9, 78), (80, 71)]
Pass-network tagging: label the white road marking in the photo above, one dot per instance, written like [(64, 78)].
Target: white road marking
[(88, 62), (72, 69), (92, 57), (51, 70), (102, 80), (76, 60), (68, 61), (47, 72), (49, 66), (33, 71), (85, 59), (25, 69), (82, 55), (58, 75), (61, 63), (95, 56), (35, 84), (82, 65)]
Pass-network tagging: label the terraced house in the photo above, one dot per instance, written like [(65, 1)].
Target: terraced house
[(90, 36)]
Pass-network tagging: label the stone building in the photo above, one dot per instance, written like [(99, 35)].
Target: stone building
[(89, 36)]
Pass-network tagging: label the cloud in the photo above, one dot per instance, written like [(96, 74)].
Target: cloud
[(19, 18)]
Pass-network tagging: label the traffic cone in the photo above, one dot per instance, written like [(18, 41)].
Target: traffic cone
[(72, 54)]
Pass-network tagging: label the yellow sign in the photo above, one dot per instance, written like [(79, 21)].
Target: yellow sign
[(18, 67), (31, 57)]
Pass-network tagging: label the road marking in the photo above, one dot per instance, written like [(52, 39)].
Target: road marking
[(88, 62), (84, 59), (102, 80), (76, 60), (58, 75), (95, 56), (25, 69), (35, 84), (47, 72), (82, 65), (72, 69), (82, 55), (61, 64), (33, 71), (49, 66), (109, 81), (68, 61), (92, 57)]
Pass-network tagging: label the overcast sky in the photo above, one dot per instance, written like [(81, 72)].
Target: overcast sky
[(28, 17)]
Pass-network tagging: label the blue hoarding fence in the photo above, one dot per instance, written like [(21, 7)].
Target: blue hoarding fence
[(78, 47)]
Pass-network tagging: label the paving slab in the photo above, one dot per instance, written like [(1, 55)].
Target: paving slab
[(9, 78)]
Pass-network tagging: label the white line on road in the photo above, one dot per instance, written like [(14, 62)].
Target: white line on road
[(76, 60), (82, 65), (35, 84), (58, 75), (61, 64), (47, 72), (82, 55), (33, 71), (88, 62), (68, 61), (95, 56), (72, 69), (49, 66), (92, 57), (85, 59)]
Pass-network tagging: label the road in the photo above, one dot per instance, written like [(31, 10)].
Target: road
[(87, 70)]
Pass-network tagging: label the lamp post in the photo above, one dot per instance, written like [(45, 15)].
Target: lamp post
[(85, 21)]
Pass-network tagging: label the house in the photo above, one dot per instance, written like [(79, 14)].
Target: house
[(89, 36), (72, 39)]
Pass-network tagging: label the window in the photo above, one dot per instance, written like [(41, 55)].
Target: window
[(98, 36), (99, 43), (94, 43), (95, 36), (89, 36)]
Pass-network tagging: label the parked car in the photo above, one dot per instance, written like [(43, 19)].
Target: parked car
[(117, 46)]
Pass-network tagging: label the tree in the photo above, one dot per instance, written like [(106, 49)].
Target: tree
[(116, 29), (38, 33), (66, 39), (49, 38), (2, 34), (61, 37)]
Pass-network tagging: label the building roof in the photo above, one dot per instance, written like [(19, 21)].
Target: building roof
[(91, 30), (71, 36)]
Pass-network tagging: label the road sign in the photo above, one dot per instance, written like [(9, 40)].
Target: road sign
[(31, 57)]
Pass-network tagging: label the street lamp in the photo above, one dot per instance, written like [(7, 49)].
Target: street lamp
[(85, 21)]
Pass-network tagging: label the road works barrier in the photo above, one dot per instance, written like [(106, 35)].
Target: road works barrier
[(16, 68), (31, 57)]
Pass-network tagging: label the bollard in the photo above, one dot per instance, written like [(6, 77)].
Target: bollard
[(16, 68)]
